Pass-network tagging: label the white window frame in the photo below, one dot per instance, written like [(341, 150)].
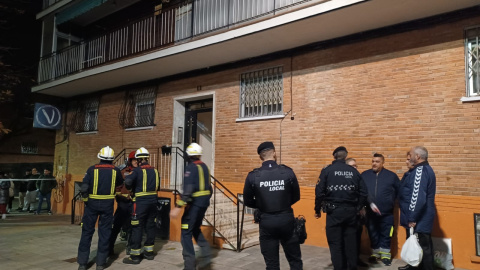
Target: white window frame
[(472, 61)]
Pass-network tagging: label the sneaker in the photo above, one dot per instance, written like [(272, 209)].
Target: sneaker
[(8, 210), (35, 213), (148, 255), (50, 213), (4, 216), (20, 209), (387, 261), (130, 260), (82, 267), (31, 211)]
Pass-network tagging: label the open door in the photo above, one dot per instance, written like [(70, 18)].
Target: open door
[(198, 127)]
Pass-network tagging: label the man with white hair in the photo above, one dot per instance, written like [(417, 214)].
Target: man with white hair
[(417, 203)]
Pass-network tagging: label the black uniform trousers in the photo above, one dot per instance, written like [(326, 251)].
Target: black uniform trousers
[(342, 230), (278, 229), (425, 241), (146, 211), (121, 219), (191, 221), (380, 229), (103, 211)]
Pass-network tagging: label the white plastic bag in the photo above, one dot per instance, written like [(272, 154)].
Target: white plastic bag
[(412, 252)]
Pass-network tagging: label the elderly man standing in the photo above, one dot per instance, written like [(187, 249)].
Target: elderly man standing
[(417, 203)]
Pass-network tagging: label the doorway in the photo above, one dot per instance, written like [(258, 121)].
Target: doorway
[(199, 127)]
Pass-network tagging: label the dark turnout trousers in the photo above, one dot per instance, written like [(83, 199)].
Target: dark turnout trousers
[(342, 237), (191, 221), (146, 212), (276, 229), (103, 211), (121, 219)]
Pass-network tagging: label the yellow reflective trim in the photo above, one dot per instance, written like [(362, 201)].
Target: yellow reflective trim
[(201, 193), (180, 203), (156, 179), (114, 176), (148, 248), (135, 222), (144, 180), (85, 199), (391, 231), (101, 197), (139, 194), (135, 251), (201, 178), (95, 181), (185, 226)]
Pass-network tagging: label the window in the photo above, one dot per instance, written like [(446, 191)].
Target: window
[(29, 148), (86, 115), (139, 108), (472, 65), (476, 224), (261, 93)]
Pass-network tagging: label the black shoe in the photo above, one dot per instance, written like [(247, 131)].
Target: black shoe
[(130, 260), (362, 263), (406, 267), (50, 213), (372, 259), (100, 267), (387, 261), (148, 255), (19, 209), (31, 211), (82, 267)]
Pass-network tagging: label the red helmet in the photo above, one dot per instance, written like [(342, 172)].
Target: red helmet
[(131, 155)]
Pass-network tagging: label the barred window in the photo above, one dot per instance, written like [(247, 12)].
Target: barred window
[(139, 108), (261, 93), (29, 148), (86, 115), (472, 65)]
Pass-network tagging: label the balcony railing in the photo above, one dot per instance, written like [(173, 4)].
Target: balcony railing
[(47, 3), (176, 24)]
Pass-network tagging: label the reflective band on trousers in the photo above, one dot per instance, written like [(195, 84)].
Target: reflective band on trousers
[(148, 248), (185, 226), (135, 252), (391, 231)]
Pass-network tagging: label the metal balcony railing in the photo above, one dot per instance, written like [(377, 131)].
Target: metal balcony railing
[(47, 3), (169, 27)]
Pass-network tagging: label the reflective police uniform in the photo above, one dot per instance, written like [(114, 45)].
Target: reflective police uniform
[(144, 182), (197, 191), (342, 190), (121, 219), (273, 189), (98, 192)]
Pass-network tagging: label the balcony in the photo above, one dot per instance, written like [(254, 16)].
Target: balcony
[(198, 34)]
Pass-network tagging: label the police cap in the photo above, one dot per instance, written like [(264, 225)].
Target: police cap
[(265, 145), (338, 149)]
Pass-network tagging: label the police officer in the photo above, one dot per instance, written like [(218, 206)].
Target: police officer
[(98, 192), (121, 219), (144, 183), (197, 191), (273, 189), (343, 193)]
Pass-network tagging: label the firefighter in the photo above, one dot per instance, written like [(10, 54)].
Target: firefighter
[(144, 183), (121, 219), (197, 191), (98, 192)]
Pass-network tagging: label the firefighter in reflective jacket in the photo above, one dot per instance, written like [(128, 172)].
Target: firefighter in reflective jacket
[(121, 219), (196, 199), (98, 192), (273, 189), (144, 183), (342, 192)]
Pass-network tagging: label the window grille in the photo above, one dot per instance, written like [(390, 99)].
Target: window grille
[(261, 93), (472, 61), (476, 224), (29, 148), (86, 115), (139, 108)]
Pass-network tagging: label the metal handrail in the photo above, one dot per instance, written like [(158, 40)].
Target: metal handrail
[(74, 199)]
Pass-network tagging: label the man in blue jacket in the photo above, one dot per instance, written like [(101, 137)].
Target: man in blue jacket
[(417, 204), (382, 185)]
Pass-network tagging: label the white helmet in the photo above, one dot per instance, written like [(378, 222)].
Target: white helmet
[(142, 153), (194, 149), (106, 153)]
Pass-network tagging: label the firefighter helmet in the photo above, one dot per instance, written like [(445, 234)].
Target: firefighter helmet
[(131, 155), (194, 149), (106, 153), (142, 153)]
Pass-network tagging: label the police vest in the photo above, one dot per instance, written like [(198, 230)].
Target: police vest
[(272, 192), (147, 181), (103, 186)]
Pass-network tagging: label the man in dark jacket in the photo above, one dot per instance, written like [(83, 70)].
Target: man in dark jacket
[(197, 191), (273, 189), (31, 196), (22, 190), (45, 184), (417, 203), (342, 192), (382, 185)]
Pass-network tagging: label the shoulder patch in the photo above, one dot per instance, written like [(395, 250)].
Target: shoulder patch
[(187, 173)]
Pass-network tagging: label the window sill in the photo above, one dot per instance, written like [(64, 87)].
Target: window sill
[(280, 116), (139, 128), (475, 259), (87, 132), (470, 99)]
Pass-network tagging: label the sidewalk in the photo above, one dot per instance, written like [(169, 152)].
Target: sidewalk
[(51, 242)]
